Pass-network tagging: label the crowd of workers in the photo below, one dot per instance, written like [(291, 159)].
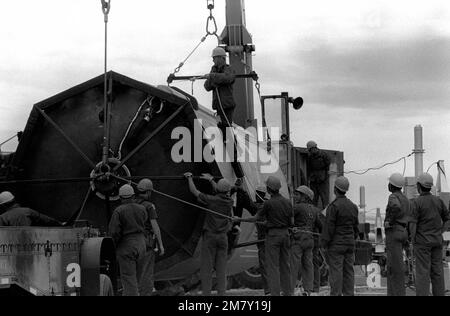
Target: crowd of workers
[(293, 238)]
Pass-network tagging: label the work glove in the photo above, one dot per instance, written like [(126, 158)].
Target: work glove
[(161, 250), (207, 176)]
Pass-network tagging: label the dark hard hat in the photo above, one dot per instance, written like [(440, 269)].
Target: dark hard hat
[(273, 183), (311, 144)]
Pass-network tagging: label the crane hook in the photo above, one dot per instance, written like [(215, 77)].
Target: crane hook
[(210, 4), (106, 6)]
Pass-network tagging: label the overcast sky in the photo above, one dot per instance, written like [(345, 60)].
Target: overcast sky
[(369, 71)]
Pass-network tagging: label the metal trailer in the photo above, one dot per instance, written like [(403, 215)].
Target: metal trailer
[(44, 261)]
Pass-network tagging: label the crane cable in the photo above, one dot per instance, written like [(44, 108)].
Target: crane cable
[(177, 199), (209, 32), (106, 7)]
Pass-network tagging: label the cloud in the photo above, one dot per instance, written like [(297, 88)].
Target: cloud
[(371, 73)]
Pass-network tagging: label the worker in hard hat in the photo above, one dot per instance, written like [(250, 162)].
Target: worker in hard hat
[(153, 235), (214, 236), (255, 209), (261, 198), (339, 238), (127, 228), (278, 214), (318, 166), (320, 267), (306, 221), (430, 216), (12, 214), (220, 81), (396, 229)]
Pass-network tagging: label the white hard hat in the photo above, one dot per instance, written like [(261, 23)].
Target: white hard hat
[(397, 180), (126, 191), (426, 180), (145, 185), (223, 186), (6, 197), (219, 51)]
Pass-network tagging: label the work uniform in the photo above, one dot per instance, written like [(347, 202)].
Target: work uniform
[(318, 165), (254, 208), (305, 219), (146, 283), (221, 79), (215, 241), (261, 231), (318, 260), (396, 222), (23, 216), (127, 228), (430, 214), (338, 239), (278, 214)]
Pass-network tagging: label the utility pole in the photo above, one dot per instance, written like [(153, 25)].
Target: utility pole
[(362, 202), (418, 150)]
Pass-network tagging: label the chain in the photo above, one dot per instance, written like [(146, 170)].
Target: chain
[(211, 18), (269, 139), (211, 29)]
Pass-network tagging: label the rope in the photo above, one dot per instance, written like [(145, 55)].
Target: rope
[(264, 123), (147, 100), (211, 18), (440, 168), (177, 199), (364, 171), (235, 141), (434, 163)]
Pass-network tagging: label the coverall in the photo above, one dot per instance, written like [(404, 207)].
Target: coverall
[(255, 208), (127, 228), (261, 230), (215, 242), (306, 219), (222, 79), (396, 222), (146, 283), (430, 214), (278, 213), (318, 165), (317, 258), (23, 216), (338, 239)]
